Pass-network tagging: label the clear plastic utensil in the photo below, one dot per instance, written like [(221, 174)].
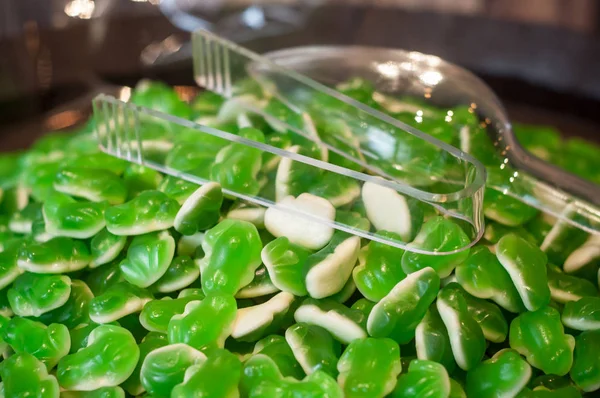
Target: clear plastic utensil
[(398, 74), (128, 131), (418, 165)]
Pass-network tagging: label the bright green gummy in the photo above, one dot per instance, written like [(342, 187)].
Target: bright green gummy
[(33, 295), (159, 96), (254, 322), (487, 315), (96, 185), (165, 367), (540, 337), (21, 222), (232, 255), (505, 374), (236, 166), (64, 216), (148, 258), (200, 210), (56, 256), (526, 266), (100, 160), (156, 314), (505, 209), (139, 179), (369, 367), (583, 314), (216, 376), (565, 287), (205, 323), (397, 314), (314, 348), (483, 276), (379, 268), (586, 363), (149, 211), (75, 310), (23, 375), (286, 264), (437, 234), (261, 378), (9, 271), (181, 273), (424, 379), (117, 302), (277, 348), (108, 359), (104, 277), (105, 247), (432, 340), (344, 323), (149, 343), (466, 336), (47, 343)]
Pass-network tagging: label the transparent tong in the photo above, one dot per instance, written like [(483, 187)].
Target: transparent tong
[(359, 147)]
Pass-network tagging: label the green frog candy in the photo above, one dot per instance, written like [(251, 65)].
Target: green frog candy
[(232, 255), (56, 256), (424, 379), (400, 311), (586, 365), (34, 295), (261, 378), (107, 360), (286, 264), (47, 343), (314, 348), (205, 323), (379, 268), (96, 185), (117, 302), (64, 216), (165, 367), (23, 375), (369, 367), (148, 212), (216, 376), (148, 258), (277, 348), (540, 337), (505, 374), (200, 210), (583, 314), (526, 265), (437, 234)]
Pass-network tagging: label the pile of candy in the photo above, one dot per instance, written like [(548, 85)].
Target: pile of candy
[(117, 281)]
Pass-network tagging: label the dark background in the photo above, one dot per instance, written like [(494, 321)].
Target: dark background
[(542, 57)]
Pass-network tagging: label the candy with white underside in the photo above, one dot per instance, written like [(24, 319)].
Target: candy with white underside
[(466, 336), (56, 256), (9, 271), (341, 326), (34, 295), (251, 319), (64, 216), (148, 258), (187, 244), (526, 265), (200, 211), (584, 255), (387, 210), (260, 286), (181, 273), (397, 314), (583, 314), (255, 215), (314, 348), (565, 287), (298, 229), (330, 268), (118, 301), (285, 263), (105, 247)]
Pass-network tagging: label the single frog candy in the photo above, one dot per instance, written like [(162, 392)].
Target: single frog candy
[(314, 348), (583, 314), (96, 185), (540, 337), (25, 376), (397, 314), (200, 210), (105, 247), (586, 363), (286, 264), (64, 216), (148, 212), (277, 348), (232, 255), (148, 258), (58, 255), (149, 343), (107, 360), (181, 273), (432, 340), (423, 379), (34, 295), (344, 323), (505, 374), (117, 302), (255, 322), (369, 367)]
